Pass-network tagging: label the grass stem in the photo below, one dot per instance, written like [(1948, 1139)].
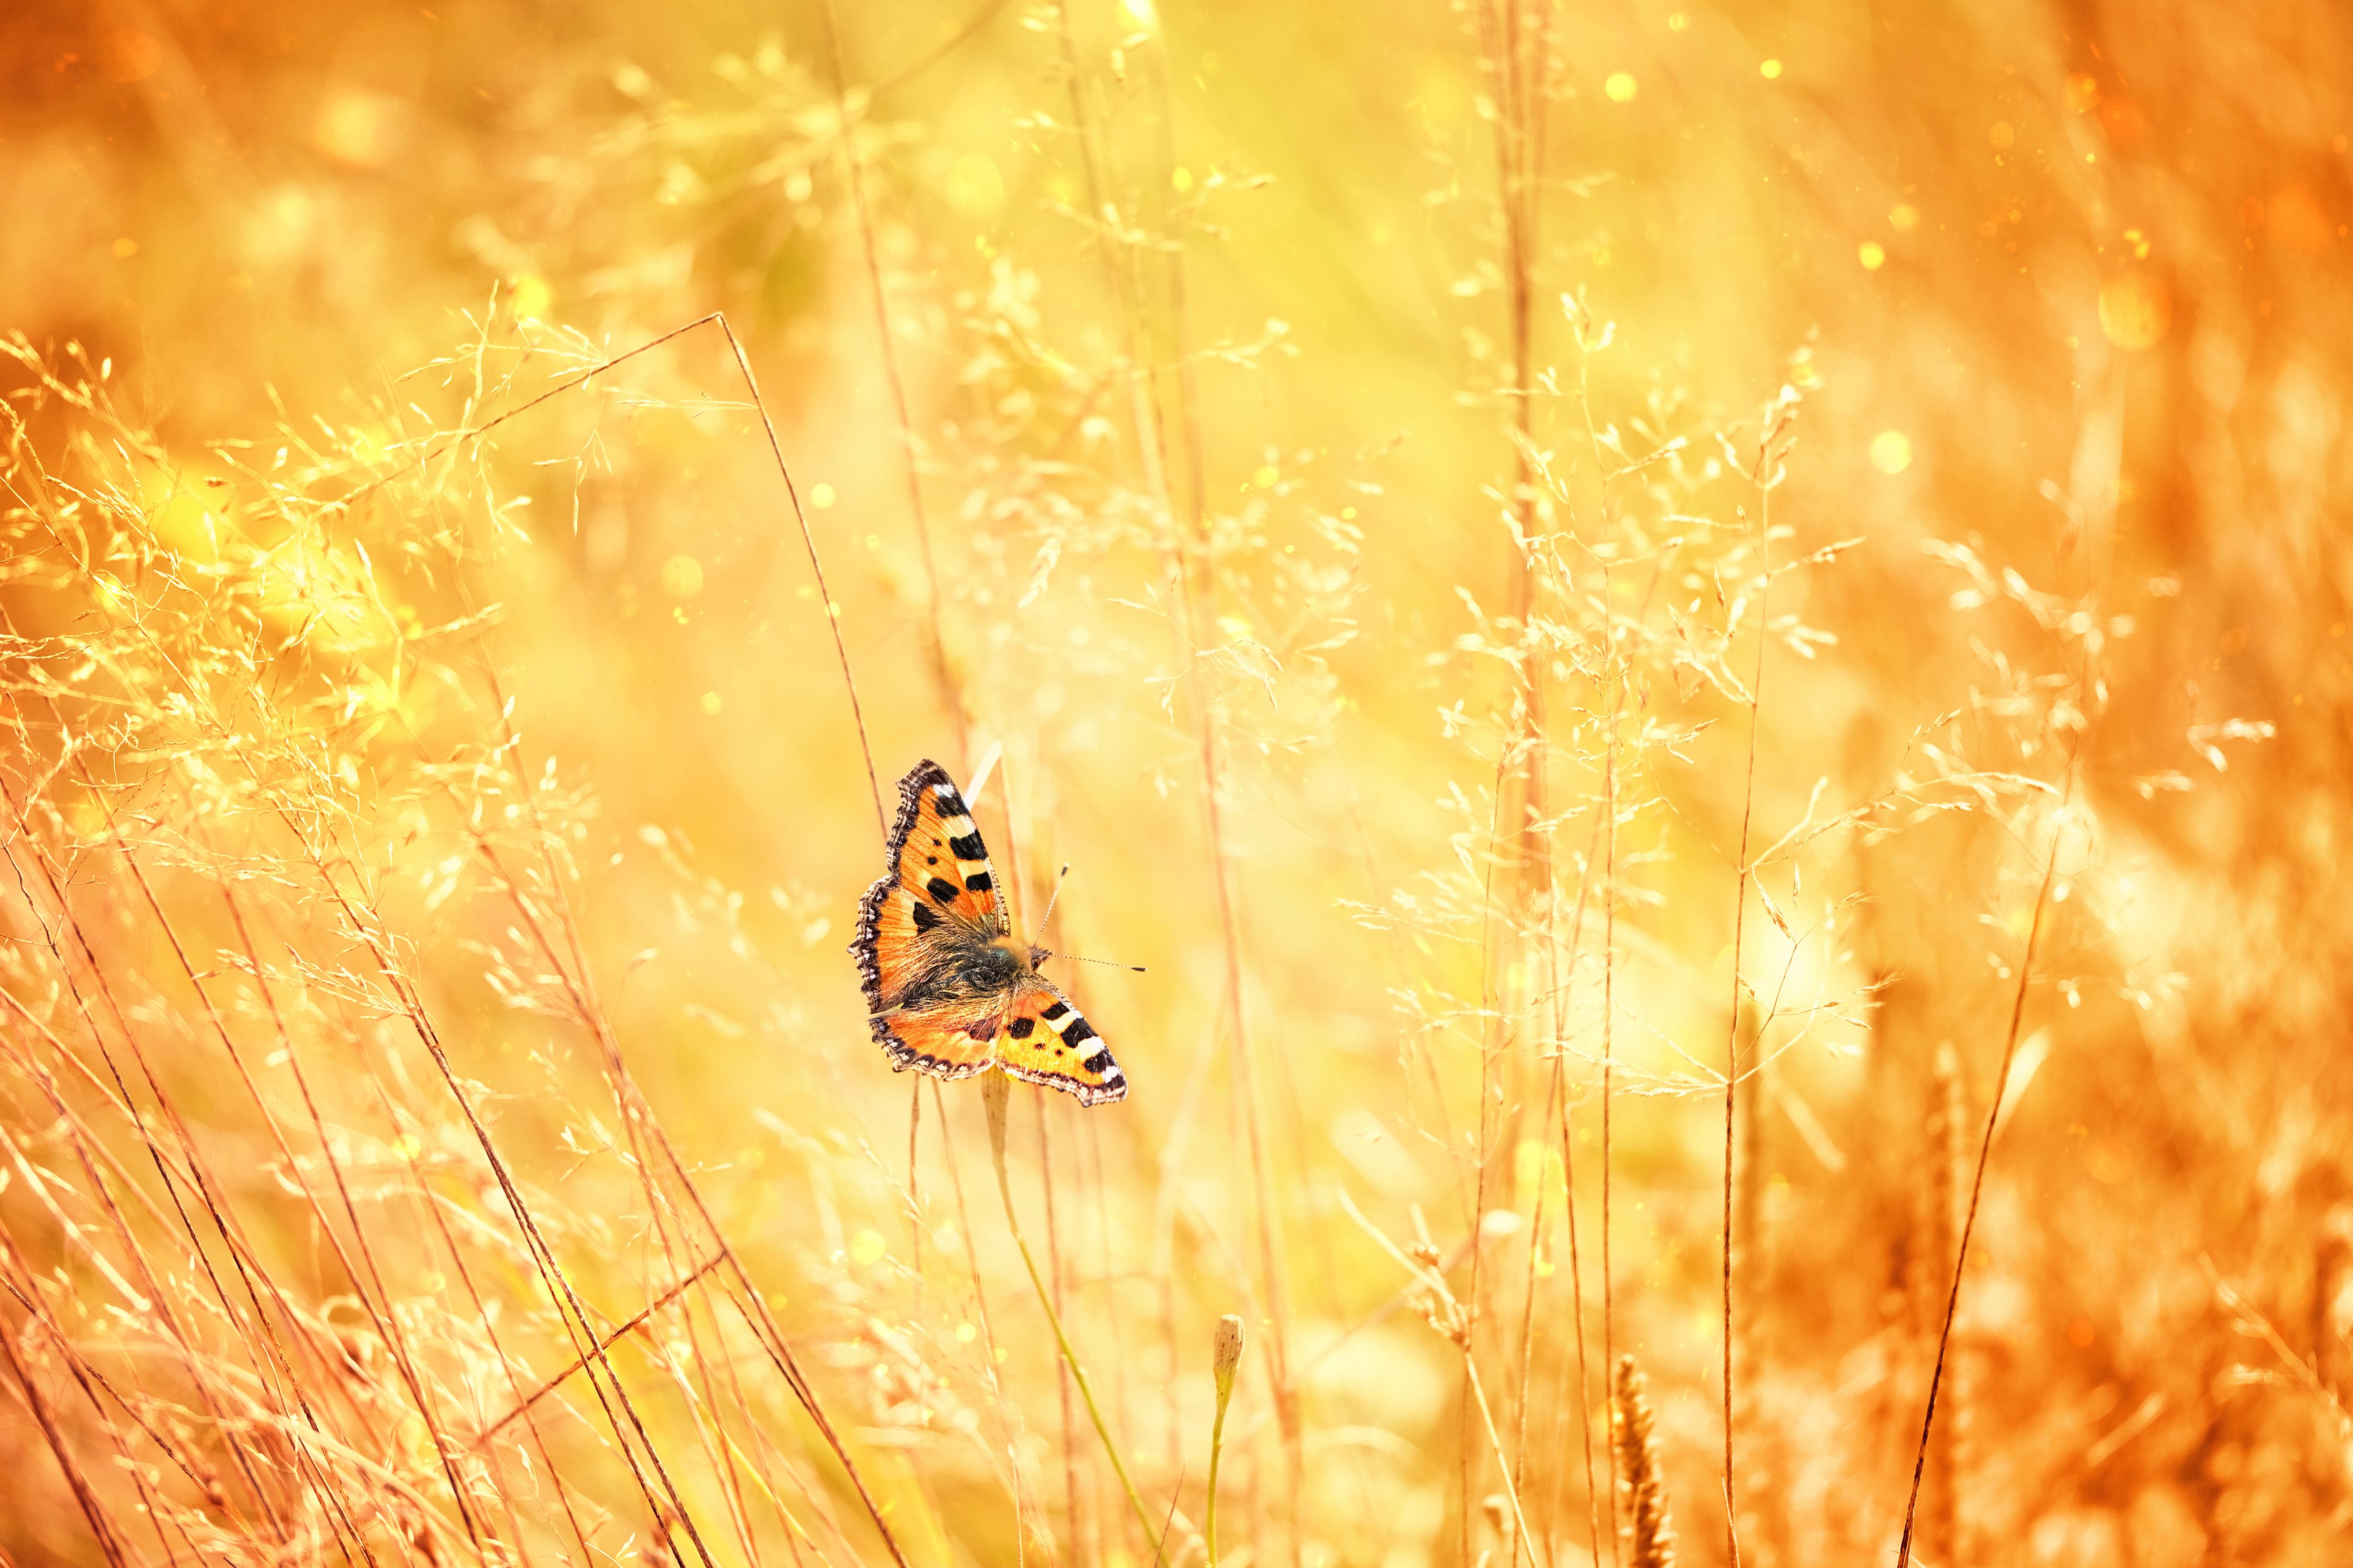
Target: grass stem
[(995, 1090)]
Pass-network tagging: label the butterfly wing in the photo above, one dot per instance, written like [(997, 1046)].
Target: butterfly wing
[(924, 933), (1046, 1041), (953, 1039)]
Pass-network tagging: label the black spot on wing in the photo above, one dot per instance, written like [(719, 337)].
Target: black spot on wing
[(1054, 1011), (926, 917), (1019, 1029), (982, 1028), (943, 889), (978, 882), (1097, 1062), (969, 847), (1078, 1032)]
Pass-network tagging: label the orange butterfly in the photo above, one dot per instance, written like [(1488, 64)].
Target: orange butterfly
[(949, 988)]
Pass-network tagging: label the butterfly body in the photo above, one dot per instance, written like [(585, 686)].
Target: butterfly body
[(950, 988)]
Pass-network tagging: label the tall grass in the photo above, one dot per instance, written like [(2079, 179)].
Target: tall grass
[(1784, 984)]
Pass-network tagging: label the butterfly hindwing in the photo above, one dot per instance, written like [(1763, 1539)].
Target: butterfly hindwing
[(954, 1038), (1046, 1041)]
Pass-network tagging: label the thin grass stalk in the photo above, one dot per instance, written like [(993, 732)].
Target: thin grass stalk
[(1198, 608), (1061, 1372), (262, 1357), (91, 1154), (387, 1325), (570, 1311), (1617, 677), (89, 1380), (102, 1523), (1612, 695), (995, 1089), (1022, 1507), (756, 1312), (1942, 1141), (1577, 1308), (1984, 1157), (444, 1450), (84, 1146), (1753, 1269), (914, 1199), (580, 988), (1189, 558), (1562, 987), (610, 1338), (1090, 1135), (1535, 1252), (854, 172), (1488, 1007), (1739, 995), (638, 1116), (1518, 128), (21, 1280), (1447, 1315)]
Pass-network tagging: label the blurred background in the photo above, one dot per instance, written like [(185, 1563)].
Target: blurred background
[(1315, 452)]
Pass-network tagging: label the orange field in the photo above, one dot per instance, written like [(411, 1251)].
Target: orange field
[(1701, 650)]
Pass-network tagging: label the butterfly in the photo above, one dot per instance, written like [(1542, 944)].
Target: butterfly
[(950, 989)]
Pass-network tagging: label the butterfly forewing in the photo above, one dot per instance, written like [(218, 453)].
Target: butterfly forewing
[(936, 849), (919, 927)]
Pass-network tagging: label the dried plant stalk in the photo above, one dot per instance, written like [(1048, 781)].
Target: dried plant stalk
[(1939, 1534)]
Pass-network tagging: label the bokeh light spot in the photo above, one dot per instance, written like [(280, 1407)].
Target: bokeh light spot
[(711, 703), (1904, 217), (1621, 86), (975, 188), (1891, 451), (1770, 70), (820, 495), (1872, 254), (361, 127), (130, 55), (681, 576), (866, 1247), (2002, 134), (2136, 309)]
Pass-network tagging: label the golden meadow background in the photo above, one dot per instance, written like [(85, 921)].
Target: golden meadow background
[(1515, 548)]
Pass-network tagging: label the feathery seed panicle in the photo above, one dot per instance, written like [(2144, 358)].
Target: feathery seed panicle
[(1648, 1530)]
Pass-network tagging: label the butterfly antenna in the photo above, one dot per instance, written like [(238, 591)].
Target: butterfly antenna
[(1049, 904), (1131, 968)]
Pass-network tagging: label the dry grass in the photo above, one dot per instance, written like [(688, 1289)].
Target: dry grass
[(1700, 650)]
